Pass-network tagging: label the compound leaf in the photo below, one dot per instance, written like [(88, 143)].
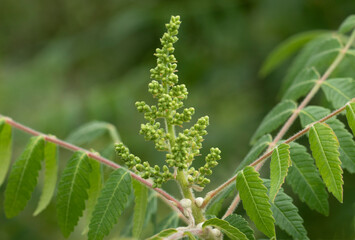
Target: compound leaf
[(23, 177), (231, 231), (277, 116), (255, 200), (339, 91), (286, 215), (110, 204), (5, 149), (140, 207), (72, 192), (239, 222), (324, 146), (304, 179), (50, 176), (280, 162), (318, 53)]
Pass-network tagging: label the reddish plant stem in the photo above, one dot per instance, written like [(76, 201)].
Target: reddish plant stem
[(261, 159), (181, 233), (174, 203), (313, 91), (232, 207), (303, 104)]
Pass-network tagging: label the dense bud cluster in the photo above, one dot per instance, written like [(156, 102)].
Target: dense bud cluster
[(143, 168), (183, 148)]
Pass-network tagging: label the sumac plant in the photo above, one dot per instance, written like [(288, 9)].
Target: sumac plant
[(103, 189)]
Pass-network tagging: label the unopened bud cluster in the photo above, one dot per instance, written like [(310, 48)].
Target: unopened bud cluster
[(182, 147), (143, 168)]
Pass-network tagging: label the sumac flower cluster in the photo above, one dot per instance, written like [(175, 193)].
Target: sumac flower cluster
[(182, 147)]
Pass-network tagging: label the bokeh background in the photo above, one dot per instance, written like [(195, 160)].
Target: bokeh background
[(65, 63)]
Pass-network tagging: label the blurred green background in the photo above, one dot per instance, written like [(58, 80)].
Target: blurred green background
[(65, 63)]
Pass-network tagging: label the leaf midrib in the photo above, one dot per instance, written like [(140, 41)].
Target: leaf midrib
[(323, 153), (71, 188), (109, 203), (246, 184), (299, 84), (288, 220), (309, 185), (24, 170), (277, 115), (279, 165), (337, 90)]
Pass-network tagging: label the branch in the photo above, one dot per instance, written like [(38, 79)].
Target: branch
[(181, 232), (174, 203), (261, 159), (232, 207), (303, 104), (314, 90)]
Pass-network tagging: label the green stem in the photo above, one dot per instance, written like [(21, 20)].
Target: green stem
[(187, 192), (182, 181)]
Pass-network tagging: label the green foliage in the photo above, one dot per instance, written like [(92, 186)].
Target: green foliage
[(95, 132), (5, 149), (280, 162), (318, 54), (231, 231), (322, 64), (287, 49), (239, 222), (152, 208), (95, 181), (302, 84), (255, 151), (215, 207), (255, 200), (190, 236), (350, 115), (110, 204), (90, 131), (348, 24), (347, 145), (339, 91), (72, 192), (170, 221), (305, 180), (286, 215), (277, 116), (163, 234), (324, 146), (23, 177), (50, 176), (140, 207)]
